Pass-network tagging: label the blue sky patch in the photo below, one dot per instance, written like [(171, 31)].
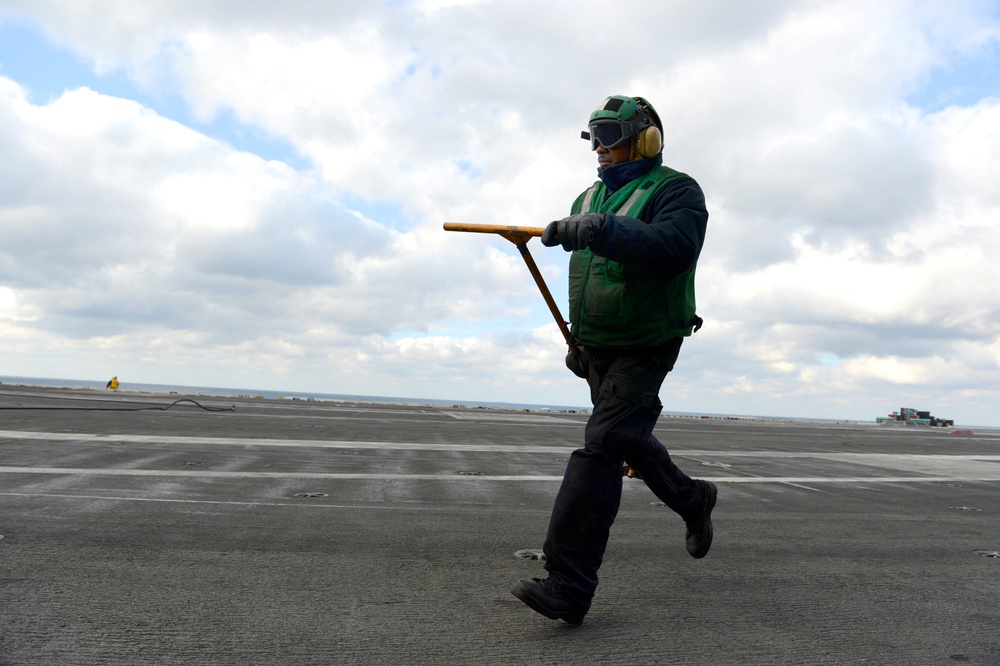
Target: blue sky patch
[(47, 71), (469, 170), (964, 82), (828, 359), (388, 213)]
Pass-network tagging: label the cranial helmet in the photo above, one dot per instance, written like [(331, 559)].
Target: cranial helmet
[(620, 119)]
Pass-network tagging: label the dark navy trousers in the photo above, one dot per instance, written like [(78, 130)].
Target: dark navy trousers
[(625, 392)]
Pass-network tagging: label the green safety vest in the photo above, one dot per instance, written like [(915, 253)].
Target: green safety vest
[(611, 306)]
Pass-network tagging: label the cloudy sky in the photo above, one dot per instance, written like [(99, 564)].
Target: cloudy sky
[(251, 194)]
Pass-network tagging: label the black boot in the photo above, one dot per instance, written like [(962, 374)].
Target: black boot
[(544, 596), (699, 527)]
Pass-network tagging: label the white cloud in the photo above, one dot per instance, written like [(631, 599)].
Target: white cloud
[(849, 256), (8, 302)]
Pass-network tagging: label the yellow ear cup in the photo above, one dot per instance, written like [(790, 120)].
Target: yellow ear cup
[(649, 142)]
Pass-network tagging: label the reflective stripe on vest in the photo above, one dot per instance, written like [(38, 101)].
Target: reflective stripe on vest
[(588, 198)]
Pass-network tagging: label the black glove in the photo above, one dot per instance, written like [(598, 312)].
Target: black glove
[(574, 232), (577, 365)]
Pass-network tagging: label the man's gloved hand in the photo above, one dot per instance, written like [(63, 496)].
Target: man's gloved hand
[(577, 365), (574, 232)]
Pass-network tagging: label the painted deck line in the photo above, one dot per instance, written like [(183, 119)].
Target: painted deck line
[(310, 503), (850, 457), (300, 443), (79, 471)]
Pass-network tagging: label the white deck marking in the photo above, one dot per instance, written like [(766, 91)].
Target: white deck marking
[(891, 468), (310, 504), (84, 471), (300, 443), (345, 476), (534, 417)]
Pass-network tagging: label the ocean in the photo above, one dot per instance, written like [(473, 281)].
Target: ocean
[(271, 395), (219, 392)]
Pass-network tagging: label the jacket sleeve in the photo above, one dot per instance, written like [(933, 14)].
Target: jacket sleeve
[(667, 240)]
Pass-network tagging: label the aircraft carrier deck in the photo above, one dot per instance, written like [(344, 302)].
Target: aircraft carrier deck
[(295, 532)]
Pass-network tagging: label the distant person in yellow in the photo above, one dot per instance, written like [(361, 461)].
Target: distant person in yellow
[(113, 383)]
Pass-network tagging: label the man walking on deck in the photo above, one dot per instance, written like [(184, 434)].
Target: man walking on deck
[(635, 238)]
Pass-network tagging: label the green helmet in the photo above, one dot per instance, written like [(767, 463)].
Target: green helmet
[(618, 119)]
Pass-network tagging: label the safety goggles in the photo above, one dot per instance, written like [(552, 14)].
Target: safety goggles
[(609, 134)]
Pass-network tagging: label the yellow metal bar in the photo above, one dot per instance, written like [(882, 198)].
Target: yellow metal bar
[(516, 235), (492, 228)]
